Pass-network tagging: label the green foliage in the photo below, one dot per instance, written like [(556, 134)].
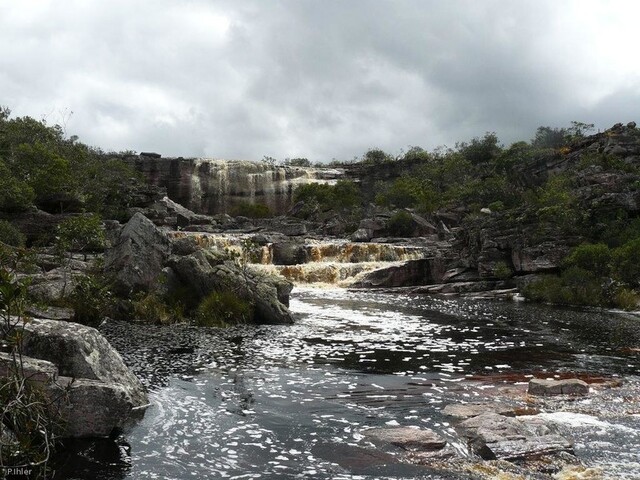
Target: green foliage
[(84, 233), (595, 258), (502, 271), (90, 299), (152, 308), (626, 262), (252, 210), (15, 194), (223, 308), (28, 421), (626, 299), (38, 165), (376, 156), (298, 162), (11, 235), (401, 224), (480, 150), (321, 196)]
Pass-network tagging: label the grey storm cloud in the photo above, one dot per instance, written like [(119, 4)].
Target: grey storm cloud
[(321, 79)]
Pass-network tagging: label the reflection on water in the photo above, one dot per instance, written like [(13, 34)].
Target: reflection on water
[(291, 401)]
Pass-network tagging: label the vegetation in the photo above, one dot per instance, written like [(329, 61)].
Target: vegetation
[(29, 423), (252, 210), (223, 308), (10, 235), (321, 197)]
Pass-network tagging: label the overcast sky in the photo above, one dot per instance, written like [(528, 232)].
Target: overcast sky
[(320, 79)]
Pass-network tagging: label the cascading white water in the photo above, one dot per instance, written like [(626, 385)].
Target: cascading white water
[(335, 262)]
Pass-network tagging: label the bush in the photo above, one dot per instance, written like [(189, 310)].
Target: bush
[(11, 235), (595, 258), (626, 299), (252, 210), (83, 233), (151, 308), (90, 300), (401, 224), (502, 271), (324, 197), (626, 262), (223, 308)]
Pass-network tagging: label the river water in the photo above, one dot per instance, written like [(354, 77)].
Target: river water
[(263, 402)]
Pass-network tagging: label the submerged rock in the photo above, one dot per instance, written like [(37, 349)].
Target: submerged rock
[(469, 410), (408, 438)]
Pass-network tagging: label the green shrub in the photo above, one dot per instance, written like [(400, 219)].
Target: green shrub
[(502, 271), (223, 308), (545, 289), (595, 258), (152, 308), (90, 300), (401, 224), (626, 262), (11, 235), (252, 210), (324, 197), (626, 299), (83, 233)]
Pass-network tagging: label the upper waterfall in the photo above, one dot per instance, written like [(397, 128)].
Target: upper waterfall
[(211, 186)]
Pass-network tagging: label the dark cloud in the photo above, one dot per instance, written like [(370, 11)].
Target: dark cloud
[(321, 79)]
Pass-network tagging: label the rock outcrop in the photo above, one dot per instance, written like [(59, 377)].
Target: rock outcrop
[(145, 259), (91, 389), (136, 261), (203, 272)]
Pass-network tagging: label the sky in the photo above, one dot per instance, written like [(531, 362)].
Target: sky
[(321, 79)]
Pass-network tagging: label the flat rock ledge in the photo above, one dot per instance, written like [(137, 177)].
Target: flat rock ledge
[(544, 387), (492, 436)]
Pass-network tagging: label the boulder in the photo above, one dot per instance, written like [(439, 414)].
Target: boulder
[(362, 235), (203, 272), (410, 273), (289, 253), (136, 261), (91, 408), (79, 351), (570, 386), (493, 436), (407, 438)]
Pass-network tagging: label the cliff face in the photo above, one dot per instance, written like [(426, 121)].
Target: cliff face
[(217, 186)]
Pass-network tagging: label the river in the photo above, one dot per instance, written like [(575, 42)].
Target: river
[(263, 402)]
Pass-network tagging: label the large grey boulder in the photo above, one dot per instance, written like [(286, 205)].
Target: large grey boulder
[(137, 259), (203, 272), (81, 352)]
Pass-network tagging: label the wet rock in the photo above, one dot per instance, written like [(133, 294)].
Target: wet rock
[(362, 235), (407, 438), (463, 411), (81, 352), (91, 408), (493, 436), (289, 253), (136, 261), (544, 387), (413, 272)]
